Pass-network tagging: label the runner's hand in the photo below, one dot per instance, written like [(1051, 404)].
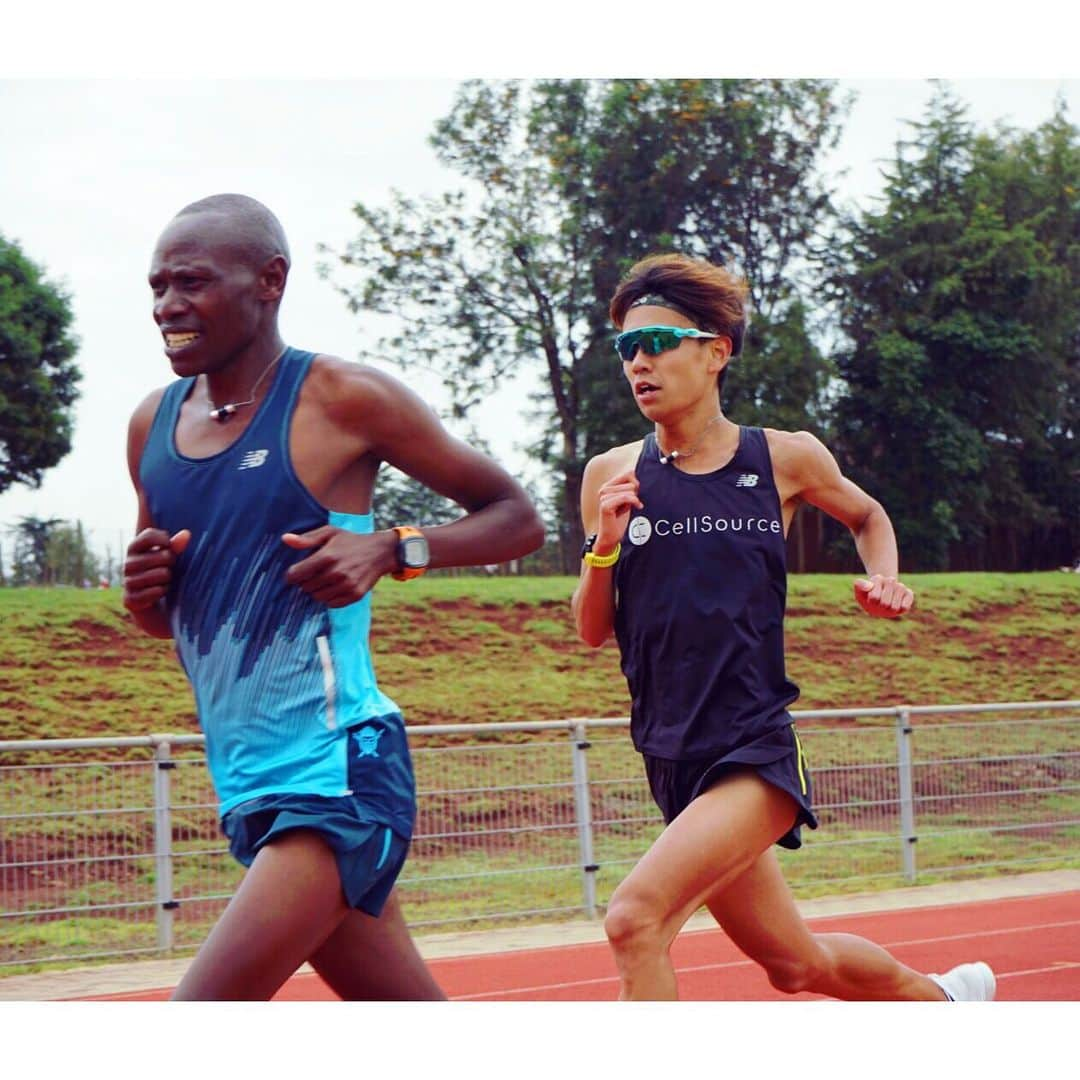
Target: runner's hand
[(343, 566), (883, 596), (149, 564), (616, 497)]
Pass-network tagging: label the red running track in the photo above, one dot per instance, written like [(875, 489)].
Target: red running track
[(1031, 942)]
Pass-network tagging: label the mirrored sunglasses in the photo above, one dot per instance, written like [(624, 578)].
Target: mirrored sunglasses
[(653, 340)]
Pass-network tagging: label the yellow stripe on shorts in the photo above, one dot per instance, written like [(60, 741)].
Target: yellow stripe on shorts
[(800, 758)]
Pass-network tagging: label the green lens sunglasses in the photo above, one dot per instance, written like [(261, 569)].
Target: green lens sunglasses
[(653, 340)]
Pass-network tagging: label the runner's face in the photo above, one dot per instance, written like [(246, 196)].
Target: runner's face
[(676, 379), (207, 297)]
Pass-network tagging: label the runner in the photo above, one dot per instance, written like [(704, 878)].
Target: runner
[(256, 554), (685, 564)]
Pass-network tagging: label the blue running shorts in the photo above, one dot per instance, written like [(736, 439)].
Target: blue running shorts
[(369, 854)]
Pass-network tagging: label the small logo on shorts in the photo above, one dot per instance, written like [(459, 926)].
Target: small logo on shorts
[(367, 738), (640, 530), (253, 459)]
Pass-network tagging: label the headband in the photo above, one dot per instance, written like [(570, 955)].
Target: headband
[(659, 300)]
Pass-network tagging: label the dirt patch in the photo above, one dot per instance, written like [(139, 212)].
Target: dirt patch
[(101, 634), (451, 635), (90, 643)]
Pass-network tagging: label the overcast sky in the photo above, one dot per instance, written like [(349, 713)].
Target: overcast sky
[(93, 169)]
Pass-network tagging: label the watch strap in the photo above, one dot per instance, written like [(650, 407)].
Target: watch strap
[(406, 573)]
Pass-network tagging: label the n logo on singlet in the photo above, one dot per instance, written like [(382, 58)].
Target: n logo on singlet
[(747, 479), (253, 459)]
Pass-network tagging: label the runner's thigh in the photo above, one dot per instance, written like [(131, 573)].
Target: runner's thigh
[(710, 844), (757, 911)]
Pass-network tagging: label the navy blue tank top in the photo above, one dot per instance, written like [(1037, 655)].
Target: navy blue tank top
[(700, 590), (280, 680)]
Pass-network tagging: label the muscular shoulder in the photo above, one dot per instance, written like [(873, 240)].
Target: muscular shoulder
[(148, 407), (344, 385), (798, 456), (143, 416), (610, 463), (139, 427), (350, 393)]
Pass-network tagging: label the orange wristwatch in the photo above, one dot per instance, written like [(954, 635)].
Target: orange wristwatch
[(412, 552)]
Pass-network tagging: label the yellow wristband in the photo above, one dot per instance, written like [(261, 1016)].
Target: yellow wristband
[(601, 562)]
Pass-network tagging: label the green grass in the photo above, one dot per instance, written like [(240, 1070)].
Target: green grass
[(461, 649)]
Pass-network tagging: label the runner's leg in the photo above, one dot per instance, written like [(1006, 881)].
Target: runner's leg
[(758, 913), (712, 842), (369, 959), (289, 902)]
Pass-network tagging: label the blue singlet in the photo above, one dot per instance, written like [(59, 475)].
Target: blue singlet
[(280, 680)]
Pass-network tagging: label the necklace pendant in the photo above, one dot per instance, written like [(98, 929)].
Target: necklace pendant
[(223, 414)]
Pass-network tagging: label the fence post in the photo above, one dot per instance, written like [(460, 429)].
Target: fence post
[(907, 791), (163, 867), (579, 745)]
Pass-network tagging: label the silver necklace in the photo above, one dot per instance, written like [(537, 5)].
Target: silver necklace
[(222, 413), (681, 454)]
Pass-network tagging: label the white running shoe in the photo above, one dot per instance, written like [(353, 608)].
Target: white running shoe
[(968, 982)]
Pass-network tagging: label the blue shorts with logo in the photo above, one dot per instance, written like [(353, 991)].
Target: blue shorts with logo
[(369, 852), (369, 855), (777, 757)]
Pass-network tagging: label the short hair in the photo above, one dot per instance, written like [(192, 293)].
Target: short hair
[(713, 296), (254, 228)]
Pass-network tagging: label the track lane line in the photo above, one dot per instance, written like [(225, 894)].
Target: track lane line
[(1058, 965), (727, 964)]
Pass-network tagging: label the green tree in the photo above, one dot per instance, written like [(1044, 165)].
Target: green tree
[(30, 559), (69, 560), (51, 551), (1032, 179), (568, 183), (957, 309), (38, 376)]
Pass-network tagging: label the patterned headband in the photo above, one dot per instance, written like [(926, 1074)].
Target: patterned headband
[(659, 300)]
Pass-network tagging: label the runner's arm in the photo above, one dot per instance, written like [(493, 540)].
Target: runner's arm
[(821, 483), (609, 491), (500, 523), (152, 554)]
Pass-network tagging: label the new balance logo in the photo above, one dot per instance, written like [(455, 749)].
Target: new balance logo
[(253, 459), (747, 479)]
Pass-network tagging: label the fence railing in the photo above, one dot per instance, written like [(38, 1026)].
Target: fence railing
[(111, 847)]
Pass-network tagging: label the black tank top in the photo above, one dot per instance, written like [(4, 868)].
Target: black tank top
[(700, 590)]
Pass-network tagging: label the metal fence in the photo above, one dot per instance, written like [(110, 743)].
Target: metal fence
[(111, 847)]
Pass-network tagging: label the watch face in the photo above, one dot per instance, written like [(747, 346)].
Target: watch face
[(414, 553)]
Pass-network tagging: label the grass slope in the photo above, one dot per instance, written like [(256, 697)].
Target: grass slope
[(462, 649)]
